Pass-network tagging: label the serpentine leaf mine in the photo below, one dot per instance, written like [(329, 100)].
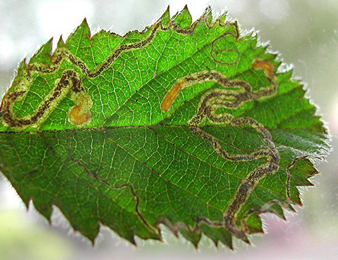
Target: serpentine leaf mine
[(189, 125)]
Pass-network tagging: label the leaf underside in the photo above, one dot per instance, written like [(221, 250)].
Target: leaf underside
[(190, 125)]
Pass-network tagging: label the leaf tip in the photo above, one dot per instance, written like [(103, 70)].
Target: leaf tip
[(208, 15), (133, 241), (165, 18), (44, 53), (61, 42), (292, 208), (80, 33), (183, 18), (222, 18), (246, 240)]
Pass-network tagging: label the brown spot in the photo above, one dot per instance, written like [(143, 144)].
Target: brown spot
[(78, 117), (172, 95), (80, 114), (266, 66)]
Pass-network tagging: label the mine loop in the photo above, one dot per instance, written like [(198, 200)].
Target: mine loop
[(232, 95)]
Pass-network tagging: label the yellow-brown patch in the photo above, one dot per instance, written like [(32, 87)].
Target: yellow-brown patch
[(80, 114), (268, 68), (172, 95), (77, 117)]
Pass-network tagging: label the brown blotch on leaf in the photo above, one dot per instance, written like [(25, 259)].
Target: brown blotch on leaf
[(80, 114), (172, 95), (76, 116), (268, 68)]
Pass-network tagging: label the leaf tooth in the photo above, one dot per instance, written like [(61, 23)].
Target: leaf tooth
[(217, 234), (207, 15), (254, 223), (165, 18), (304, 182), (193, 237), (183, 19), (82, 32), (222, 18), (291, 208), (295, 196), (278, 210), (44, 207), (132, 240), (61, 42), (43, 54), (246, 240), (88, 227), (186, 10)]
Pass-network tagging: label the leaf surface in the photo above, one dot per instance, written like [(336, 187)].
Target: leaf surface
[(190, 125)]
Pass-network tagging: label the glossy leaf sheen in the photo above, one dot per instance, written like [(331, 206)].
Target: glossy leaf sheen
[(190, 125)]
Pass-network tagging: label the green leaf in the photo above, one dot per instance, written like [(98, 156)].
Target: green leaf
[(190, 125)]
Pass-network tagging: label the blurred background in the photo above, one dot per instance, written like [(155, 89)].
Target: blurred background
[(305, 32)]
